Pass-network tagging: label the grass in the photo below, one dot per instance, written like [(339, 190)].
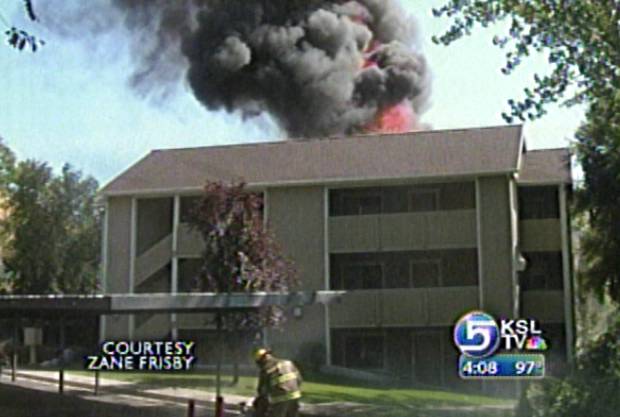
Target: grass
[(317, 388)]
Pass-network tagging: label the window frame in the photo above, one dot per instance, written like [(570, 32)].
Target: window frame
[(360, 195), (435, 196), (347, 264), (436, 261), (533, 208)]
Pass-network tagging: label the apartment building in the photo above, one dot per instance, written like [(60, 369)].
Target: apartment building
[(418, 228)]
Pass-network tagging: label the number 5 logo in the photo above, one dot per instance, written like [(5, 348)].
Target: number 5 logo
[(476, 334)]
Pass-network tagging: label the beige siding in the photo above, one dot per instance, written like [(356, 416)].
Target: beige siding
[(540, 235), (403, 231), (403, 307), (296, 216), (190, 242), (546, 306), (496, 245), (118, 242)]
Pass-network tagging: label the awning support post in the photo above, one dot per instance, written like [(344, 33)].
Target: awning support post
[(61, 373), (14, 353), (219, 400)]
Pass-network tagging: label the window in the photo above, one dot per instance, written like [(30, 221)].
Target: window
[(403, 269), (363, 351), (423, 200), (543, 271), (361, 276), (538, 203), (361, 204), (355, 201), (425, 273), (188, 205)]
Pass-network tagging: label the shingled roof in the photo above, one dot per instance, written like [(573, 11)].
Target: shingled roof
[(428, 154), (546, 166)]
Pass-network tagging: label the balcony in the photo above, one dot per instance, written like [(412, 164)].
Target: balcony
[(540, 235), (544, 305), (403, 231), (403, 307)]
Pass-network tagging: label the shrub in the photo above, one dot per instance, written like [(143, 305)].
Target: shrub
[(593, 388)]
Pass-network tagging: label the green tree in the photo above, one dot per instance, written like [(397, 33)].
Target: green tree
[(52, 229), (240, 255), (581, 39), (582, 43), (598, 152), (19, 38), (7, 164), (592, 390)]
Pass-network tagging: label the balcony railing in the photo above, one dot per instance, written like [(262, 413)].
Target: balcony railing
[(540, 235), (403, 307), (403, 231)]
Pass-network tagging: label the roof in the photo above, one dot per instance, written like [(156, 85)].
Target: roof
[(546, 166), (78, 305), (426, 154)]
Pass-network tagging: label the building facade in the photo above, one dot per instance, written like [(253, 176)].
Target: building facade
[(418, 228)]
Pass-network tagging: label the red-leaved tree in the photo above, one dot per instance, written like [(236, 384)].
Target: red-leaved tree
[(241, 255)]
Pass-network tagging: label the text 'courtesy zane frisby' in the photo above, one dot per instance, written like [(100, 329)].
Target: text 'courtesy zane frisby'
[(143, 356)]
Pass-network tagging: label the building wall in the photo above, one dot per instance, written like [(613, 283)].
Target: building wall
[(402, 324), (496, 246), (118, 249), (296, 216), (474, 230)]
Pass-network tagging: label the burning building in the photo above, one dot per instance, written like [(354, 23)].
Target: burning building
[(418, 228)]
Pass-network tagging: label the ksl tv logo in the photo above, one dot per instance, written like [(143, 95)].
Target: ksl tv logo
[(477, 334)]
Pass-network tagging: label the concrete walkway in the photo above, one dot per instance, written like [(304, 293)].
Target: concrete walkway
[(107, 387), (141, 395)]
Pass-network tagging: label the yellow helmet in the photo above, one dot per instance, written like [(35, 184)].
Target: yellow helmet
[(259, 353)]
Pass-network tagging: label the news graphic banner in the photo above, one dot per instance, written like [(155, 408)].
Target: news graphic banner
[(143, 356), (499, 349)]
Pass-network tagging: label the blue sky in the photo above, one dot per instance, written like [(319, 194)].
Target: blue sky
[(70, 101)]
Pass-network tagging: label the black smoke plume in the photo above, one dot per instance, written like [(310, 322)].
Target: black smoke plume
[(317, 67)]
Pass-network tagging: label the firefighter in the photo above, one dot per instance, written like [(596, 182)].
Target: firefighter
[(279, 383)]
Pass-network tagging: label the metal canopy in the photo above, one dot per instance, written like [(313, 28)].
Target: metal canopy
[(69, 304)]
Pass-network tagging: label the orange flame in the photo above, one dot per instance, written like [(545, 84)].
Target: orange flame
[(396, 119)]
